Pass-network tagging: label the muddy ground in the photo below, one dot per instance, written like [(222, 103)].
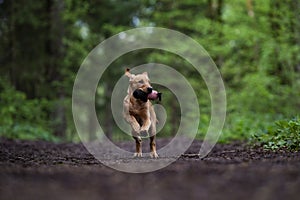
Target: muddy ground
[(43, 170)]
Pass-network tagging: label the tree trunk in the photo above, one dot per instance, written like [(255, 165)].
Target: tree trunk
[(56, 54), (250, 8), (12, 46), (215, 14), (108, 119)]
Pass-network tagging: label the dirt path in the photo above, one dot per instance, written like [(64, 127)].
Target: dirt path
[(42, 170)]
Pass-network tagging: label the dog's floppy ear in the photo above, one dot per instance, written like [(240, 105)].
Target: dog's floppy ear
[(128, 74)]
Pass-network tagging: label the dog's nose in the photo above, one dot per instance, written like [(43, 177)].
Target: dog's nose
[(149, 90)]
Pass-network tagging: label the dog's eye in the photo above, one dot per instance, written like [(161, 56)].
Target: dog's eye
[(141, 81)]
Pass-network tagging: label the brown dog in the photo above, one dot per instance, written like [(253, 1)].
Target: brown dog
[(138, 111)]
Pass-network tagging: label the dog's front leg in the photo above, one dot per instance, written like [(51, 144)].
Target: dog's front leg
[(146, 125), (136, 135), (135, 126)]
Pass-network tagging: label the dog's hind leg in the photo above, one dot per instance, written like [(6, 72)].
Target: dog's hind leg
[(153, 153), (152, 131)]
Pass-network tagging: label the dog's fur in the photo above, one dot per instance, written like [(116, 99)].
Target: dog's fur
[(138, 111)]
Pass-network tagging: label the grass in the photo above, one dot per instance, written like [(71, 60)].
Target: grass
[(283, 134)]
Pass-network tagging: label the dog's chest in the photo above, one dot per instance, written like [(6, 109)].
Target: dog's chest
[(137, 109)]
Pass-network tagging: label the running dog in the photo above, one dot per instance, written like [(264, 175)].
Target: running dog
[(138, 111)]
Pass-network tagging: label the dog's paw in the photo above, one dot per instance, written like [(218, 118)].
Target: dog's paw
[(137, 155), (153, 154), (144, 133)]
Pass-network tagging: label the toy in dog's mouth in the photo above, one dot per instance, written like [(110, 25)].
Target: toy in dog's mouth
[(144, 96), (154, 95)]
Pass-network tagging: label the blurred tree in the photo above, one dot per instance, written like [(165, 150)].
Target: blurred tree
[(32, 49)]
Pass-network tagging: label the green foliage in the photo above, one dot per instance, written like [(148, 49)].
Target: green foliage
[(284, 134), (240, 127), (23, 118)]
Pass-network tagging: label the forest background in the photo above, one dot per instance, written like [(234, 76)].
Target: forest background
[(254, 43)]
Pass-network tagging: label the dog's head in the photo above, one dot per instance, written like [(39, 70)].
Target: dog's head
[(139, 85)]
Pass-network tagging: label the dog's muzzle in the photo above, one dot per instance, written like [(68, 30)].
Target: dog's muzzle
[(144, 96), (141, 95)]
